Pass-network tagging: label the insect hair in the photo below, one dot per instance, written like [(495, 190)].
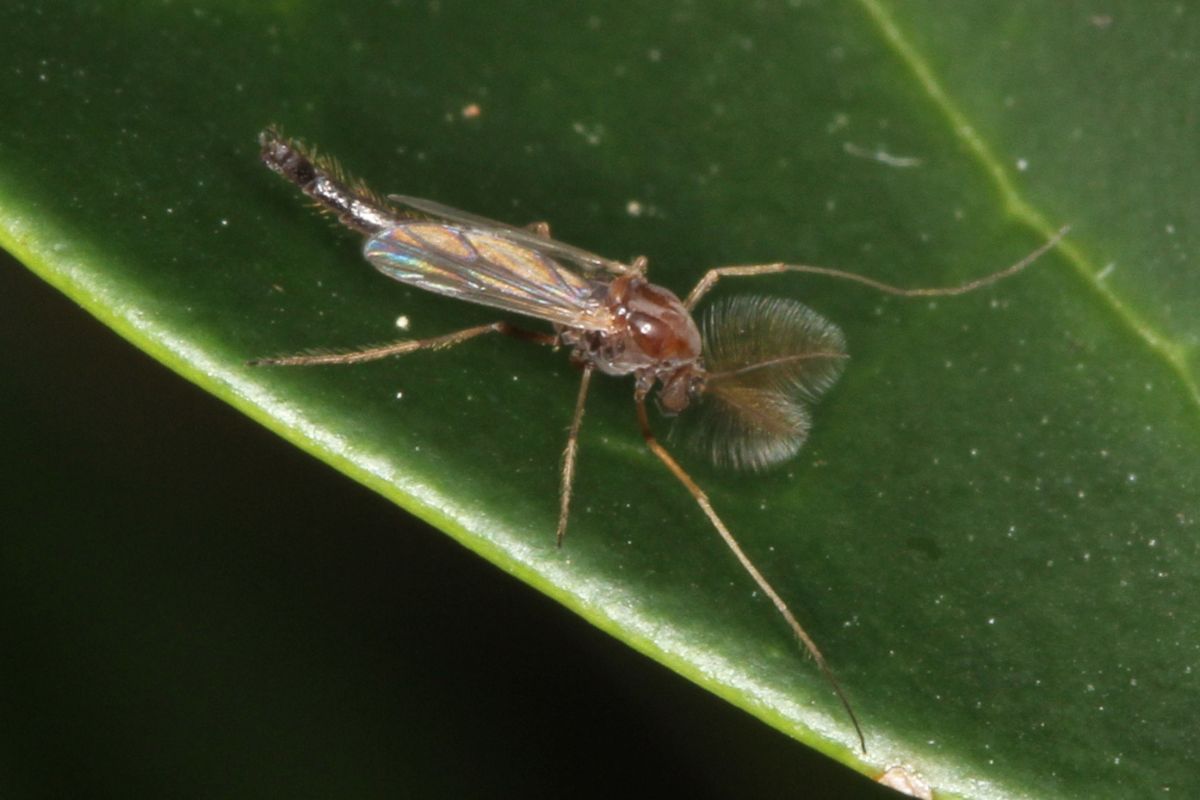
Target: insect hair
[(323, 180)]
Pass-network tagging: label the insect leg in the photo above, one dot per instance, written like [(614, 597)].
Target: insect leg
[(713, 275), (569, 453), (702, 500), (404, 347)]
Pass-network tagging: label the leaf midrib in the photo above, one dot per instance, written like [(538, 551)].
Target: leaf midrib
[(1164, 347)]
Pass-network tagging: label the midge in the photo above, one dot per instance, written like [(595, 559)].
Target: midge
[(751, 368)]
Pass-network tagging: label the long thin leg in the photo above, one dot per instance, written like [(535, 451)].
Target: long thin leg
[(405, 346), (713, 275), (705, 506), (569, 453)]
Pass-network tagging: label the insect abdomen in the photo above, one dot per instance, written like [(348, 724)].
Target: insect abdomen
[(354, 205)]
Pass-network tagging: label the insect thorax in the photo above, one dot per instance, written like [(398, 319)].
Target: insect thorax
[(652, 336)]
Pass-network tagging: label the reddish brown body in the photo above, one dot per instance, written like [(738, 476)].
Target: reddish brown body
[(652, 336)]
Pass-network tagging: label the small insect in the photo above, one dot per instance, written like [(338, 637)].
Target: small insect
[(751, 369)]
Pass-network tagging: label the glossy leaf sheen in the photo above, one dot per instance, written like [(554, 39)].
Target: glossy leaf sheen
[(992, 530)]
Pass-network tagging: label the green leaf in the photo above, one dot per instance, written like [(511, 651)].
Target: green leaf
[(990, 532)]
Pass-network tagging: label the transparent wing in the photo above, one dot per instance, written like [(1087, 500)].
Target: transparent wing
[(588, 262), (767, 359), (487, 267)]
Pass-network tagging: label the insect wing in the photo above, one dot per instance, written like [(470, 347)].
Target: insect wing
[(588, 262), (767, 359), (488, 268)]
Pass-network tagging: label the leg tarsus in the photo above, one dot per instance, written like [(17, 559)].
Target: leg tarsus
[(713, 275), (702, 500), (569, 454), (404, 347)]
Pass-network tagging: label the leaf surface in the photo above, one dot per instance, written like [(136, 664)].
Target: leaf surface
[(991, 531)]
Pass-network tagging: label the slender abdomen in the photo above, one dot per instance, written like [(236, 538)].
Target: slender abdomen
[(353, 204)]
